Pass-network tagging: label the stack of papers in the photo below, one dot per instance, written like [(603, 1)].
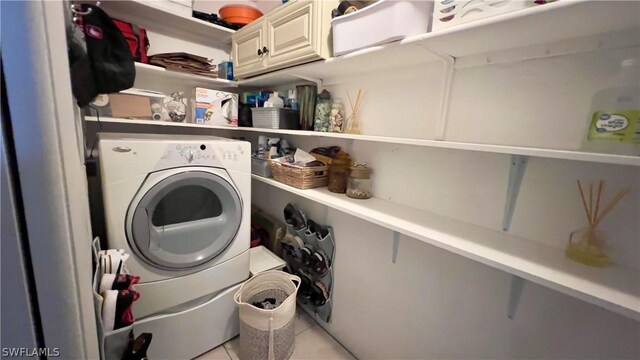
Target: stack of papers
[(185, 62)]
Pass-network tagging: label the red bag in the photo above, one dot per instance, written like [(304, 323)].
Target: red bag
[(136, 38)]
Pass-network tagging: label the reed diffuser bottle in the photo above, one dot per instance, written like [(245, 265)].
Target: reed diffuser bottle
[(586, 245)]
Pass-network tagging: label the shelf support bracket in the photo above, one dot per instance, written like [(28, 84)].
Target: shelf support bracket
[(516, 174), (318, 82), (515, 293), (449, 63), (396, 244)]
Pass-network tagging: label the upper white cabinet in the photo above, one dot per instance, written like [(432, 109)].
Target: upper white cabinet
[(292, 34), (247, 49)]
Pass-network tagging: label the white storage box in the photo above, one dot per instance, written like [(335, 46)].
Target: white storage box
[(214, 107), (177, 7), (382, 22), (448, 13)]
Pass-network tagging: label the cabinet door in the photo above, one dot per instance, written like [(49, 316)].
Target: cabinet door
[(244, 49), (292, 34)]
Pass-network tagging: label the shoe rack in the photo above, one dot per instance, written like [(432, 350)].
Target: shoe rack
[(309, 250)]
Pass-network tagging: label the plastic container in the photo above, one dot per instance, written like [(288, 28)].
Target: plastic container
[(382, 22), (275, 118), (448, 13), (614, 118), (323, 112), (260, 167), (360, 185), (239, 14), (274, 101), (339, 173)]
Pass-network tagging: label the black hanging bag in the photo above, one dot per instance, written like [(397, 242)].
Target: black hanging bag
[(110, 65)]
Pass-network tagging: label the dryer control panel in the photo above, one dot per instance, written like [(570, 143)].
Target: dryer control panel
[(212, 154)]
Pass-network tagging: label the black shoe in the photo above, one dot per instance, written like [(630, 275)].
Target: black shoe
[(137, 349), (295, 217), (319, 293)]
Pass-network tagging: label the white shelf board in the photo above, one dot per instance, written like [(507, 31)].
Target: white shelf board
[(192, 79), (614, 288), (110, 120), (546, 24), (187, 24), (498, 149)]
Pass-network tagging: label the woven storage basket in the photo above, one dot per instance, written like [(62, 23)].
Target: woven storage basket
[(300, 177)]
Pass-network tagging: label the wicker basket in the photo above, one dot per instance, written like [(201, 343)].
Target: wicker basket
[(300, 177)]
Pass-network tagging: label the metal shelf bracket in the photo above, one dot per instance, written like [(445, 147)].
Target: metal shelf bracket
[(515, 293), (396, 244), (449, 63), (516, 174)]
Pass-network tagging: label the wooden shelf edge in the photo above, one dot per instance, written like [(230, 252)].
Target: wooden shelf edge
[(499, 250)]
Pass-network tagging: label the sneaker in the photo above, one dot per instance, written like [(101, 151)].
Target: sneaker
[(117, 309), (307, 255), (305, 284), (320, 263), (117, 282)]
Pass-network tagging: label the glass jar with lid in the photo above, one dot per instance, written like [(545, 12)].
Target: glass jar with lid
[(336, 118), (339, 173), (323, 112), (360, 185)]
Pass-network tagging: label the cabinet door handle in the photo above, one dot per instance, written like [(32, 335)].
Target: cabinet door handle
[(265, 50), (259, 52)]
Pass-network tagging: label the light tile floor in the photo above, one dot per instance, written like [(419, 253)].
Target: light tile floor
[(312, 342)]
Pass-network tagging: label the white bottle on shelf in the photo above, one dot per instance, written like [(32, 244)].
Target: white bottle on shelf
[(614, 119), (274, 101)]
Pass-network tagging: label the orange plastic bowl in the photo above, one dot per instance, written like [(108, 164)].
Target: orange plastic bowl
[(239, 14)]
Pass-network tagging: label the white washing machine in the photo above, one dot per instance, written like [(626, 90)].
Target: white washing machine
[(180, 205)]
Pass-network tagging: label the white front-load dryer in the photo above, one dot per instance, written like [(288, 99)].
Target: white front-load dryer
[(180, 205)]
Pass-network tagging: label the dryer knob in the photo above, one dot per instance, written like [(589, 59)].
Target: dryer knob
[(189, 156)]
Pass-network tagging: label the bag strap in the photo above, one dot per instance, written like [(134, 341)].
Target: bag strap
[(136, 31)]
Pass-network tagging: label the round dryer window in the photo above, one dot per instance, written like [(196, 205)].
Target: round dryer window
[(185, 220)]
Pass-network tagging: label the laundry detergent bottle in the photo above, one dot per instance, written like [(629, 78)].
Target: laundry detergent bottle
[(614, 123)]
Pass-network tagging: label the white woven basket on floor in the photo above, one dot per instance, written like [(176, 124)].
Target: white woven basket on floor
[(267, 334)]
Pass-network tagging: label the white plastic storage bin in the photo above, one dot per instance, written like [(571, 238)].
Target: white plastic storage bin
[(177, 7), (448, 13), (382, 22)]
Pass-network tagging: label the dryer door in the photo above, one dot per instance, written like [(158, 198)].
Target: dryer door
[(185, 219)]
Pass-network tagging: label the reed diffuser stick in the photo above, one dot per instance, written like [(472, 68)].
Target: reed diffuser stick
[(591, 203), (600, 190), (612, 204), (584, 202)]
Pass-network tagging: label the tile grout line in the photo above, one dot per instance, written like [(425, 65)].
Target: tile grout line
[(226, 351)]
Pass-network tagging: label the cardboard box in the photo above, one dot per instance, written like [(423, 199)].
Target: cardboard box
[(225, 70), (214, 107), (129, 104)]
